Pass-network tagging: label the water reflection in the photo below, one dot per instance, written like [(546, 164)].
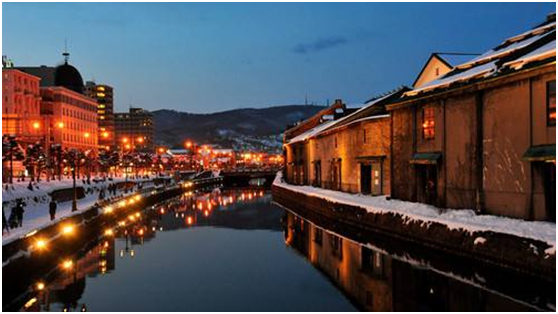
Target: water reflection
[(169, 260), (382, 276)]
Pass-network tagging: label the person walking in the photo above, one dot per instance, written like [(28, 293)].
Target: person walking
[(12, 220), (52, 209), (20, 209)]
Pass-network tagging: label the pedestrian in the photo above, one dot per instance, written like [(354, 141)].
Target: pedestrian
[(20, 209), (52, 209), (12, 220), (4, 222)]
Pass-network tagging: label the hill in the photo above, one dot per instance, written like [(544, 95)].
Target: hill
[(243, 129)]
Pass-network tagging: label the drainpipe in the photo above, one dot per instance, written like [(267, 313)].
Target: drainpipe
[(414, 195), (444, 155), (530, 204), (479, 157)]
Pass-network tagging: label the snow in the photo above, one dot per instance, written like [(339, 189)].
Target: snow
[(312, 132), (479, 240), (36, 214), (329, 124), (461, 219), (481, 70), (542, 52), (492, 54)]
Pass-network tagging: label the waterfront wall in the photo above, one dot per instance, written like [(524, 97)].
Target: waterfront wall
[(503, 250)]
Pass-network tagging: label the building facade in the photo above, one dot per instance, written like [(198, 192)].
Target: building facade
[(105, 113), (21, 106), (483, 136), (349, 154), (134, 130), (71, 118)]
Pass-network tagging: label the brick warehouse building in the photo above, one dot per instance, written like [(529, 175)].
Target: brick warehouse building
[(349, 152), (483, 136)]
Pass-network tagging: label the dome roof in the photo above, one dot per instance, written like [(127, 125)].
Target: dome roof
[(67, 76)]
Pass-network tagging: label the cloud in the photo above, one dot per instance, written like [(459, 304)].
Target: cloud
[(319, 45)]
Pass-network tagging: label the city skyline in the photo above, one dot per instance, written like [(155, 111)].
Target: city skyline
[(214, 57)]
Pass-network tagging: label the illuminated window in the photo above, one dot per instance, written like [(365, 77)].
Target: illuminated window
[(551, 102), (100, 88), (100, 94), (428, 132)]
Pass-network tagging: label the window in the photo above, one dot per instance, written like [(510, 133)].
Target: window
[(337, 246), (372, 262), (551, 102), (364, 136), (336, 142), (428, 124)]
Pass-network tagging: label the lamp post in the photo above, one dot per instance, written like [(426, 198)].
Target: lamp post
[(74, 164)]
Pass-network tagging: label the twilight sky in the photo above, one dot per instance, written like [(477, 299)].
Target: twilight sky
[(206, 57)]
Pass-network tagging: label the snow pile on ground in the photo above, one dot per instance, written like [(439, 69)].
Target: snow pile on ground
[(461, 219), (36, 214), (17, 190)]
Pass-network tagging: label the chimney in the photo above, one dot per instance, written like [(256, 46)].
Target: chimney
[(338, 102)]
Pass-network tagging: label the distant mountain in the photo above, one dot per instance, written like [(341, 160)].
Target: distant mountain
[(246, 129)]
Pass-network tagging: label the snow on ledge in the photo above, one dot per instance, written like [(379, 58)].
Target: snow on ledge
[(461, 219)]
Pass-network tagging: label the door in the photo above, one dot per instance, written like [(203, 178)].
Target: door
[(318, 173), (549, 174), (427, 176), (365, 179), (377, 178)]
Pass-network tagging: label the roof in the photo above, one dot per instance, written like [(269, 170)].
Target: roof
[(454, 59), (311, 133), (374, 108), (536, 45)]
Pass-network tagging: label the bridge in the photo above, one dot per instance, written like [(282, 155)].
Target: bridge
[(243, 176)]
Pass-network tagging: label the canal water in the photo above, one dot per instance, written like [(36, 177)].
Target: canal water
[(234, 250)]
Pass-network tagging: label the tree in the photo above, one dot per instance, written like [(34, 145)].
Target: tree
[(11, 151)]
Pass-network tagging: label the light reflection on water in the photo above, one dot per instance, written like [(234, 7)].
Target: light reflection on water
[(221, 250), (233, 250)]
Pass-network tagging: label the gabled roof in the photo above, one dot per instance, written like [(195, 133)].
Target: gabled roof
[(433, 56), (373, 108), (536, 45)]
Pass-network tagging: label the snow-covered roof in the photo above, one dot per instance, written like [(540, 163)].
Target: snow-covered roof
[(348, 118), (455, 58), (540, 53), (488, 64), (223, 151), (312, 132), (178, 151)]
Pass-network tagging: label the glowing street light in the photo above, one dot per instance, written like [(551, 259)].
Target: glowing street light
[(68, 229), (40, 244), (67, 264), (40, 285), (36, 125)]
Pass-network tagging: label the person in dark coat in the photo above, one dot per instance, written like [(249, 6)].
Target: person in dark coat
[(20, 209), (52, 209), (12, 220)]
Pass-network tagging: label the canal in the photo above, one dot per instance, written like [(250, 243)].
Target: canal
[(235, 250)]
